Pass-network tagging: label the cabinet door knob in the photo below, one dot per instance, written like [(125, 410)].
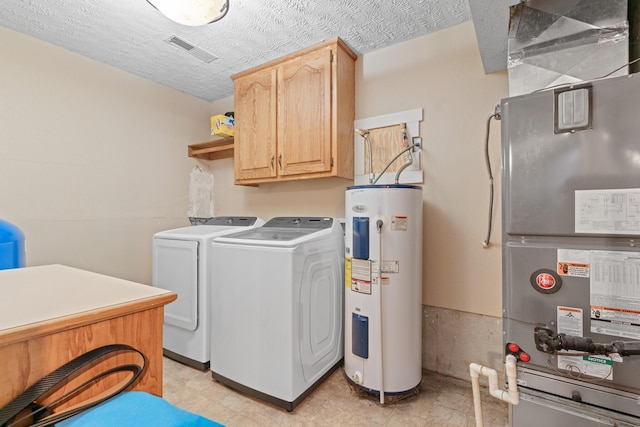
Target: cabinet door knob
[(280, 160), (272, 159)]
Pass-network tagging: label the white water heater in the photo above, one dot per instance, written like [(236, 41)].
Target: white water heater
[(383, 330)]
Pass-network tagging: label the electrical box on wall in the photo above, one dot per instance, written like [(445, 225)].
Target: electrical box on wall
[(388, 147)]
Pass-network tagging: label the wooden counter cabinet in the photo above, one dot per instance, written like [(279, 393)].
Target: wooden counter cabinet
[(52, 314)]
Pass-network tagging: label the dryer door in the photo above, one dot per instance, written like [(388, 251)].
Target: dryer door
[(175, 268)]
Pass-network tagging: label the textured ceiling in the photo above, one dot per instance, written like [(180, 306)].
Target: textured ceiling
[(130, 34)]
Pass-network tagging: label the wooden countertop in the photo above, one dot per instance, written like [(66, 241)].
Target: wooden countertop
[(35, 301)]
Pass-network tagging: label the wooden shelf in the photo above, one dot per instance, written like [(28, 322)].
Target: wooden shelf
[(221, 148)]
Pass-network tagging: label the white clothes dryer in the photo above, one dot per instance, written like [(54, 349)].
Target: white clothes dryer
[(179, 264), (277, 308)]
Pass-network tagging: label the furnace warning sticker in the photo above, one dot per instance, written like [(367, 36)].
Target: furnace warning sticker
[(399, 223), (600, 367), (572, 262), (361, 275), (615, 293), (570, 321), (607, 211)]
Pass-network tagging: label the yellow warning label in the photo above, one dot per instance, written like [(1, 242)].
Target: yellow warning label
[(347, 272)]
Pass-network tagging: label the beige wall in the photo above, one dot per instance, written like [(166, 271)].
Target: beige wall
[(441, 73), (92, 159)]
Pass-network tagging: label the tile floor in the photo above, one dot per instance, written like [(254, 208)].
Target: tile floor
[(442, 402)]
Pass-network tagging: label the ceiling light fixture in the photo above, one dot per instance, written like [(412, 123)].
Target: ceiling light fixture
[(192, 12)]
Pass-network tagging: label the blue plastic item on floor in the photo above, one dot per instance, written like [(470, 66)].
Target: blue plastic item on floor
[(135, 409), (11, 246)]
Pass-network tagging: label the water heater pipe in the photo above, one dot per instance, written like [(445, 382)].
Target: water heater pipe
[(511, 395), (411, 147), (408, 157), (379, 224), (364, 133), (402, 168)]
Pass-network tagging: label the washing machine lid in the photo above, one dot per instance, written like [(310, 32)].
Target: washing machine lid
[(282, 231), (213, 227)]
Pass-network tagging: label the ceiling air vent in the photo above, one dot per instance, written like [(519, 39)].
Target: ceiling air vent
[(191, 49)]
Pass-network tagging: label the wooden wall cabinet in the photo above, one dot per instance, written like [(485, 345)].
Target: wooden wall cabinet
[(294, 116)]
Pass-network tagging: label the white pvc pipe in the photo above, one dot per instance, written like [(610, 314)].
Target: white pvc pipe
[(475, 386), (511, 395), (381, 367)]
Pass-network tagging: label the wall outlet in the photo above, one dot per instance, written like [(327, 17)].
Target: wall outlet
[(417, 141)]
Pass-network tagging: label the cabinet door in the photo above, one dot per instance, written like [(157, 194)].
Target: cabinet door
[(304, 114), (255, 126)]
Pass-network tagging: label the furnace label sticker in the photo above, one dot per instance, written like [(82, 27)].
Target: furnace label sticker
[(600, 367), (361, 275), (607, 211), (573, 262), (615, 293), (570, 321)]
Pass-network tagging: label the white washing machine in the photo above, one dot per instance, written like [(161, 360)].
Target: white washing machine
[(277, 308), (179, 264)]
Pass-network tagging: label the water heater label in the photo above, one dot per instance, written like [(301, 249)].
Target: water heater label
[(399, 223), (387, 266), (385, 280), (361, 275), (361, 286), (347, 272)]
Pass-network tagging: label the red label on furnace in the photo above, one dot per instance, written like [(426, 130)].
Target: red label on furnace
[(545, 281)]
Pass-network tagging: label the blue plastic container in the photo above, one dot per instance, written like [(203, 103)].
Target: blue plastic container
[(12, 253)]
